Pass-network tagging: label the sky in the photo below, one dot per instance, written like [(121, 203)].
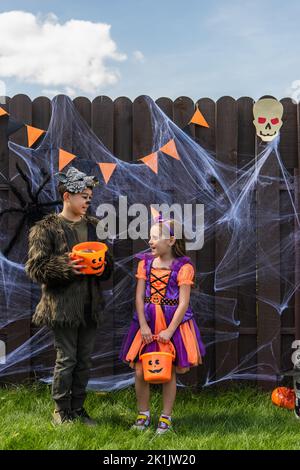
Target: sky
[(155, 47)]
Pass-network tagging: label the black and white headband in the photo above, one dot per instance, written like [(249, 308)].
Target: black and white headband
[(76, 181)]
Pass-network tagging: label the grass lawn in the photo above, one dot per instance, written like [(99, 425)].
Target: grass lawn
[(241, 418)]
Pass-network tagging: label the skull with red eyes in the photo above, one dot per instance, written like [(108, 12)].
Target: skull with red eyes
[(267, 114)]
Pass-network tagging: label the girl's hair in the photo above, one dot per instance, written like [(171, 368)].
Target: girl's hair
[(178, 249)]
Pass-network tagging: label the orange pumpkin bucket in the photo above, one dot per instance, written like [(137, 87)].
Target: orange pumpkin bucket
[(157, 366), (93, 254)]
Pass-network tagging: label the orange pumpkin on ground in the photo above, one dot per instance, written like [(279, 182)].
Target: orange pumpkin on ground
[(284, 397)]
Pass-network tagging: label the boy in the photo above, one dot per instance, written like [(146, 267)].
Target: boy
[(71, 303)]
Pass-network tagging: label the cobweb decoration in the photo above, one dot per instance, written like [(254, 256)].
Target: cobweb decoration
[(191, 180)]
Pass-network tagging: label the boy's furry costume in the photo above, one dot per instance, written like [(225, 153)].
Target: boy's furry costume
[(62, 302), (71, 304)]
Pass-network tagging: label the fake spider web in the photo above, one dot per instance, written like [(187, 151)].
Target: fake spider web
[(230, 210)]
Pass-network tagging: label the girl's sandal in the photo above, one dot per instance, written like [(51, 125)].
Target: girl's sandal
[(164, 425), (142, 422)]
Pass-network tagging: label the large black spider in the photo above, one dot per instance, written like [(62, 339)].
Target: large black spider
[(32, 210)]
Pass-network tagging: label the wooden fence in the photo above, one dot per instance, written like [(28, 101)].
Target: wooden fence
[(125, 129)]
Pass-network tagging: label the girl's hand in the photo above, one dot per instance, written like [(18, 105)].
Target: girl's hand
[(164, 336), (146, 334)]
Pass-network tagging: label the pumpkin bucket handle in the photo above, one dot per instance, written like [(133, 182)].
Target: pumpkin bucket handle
[(154, 338)]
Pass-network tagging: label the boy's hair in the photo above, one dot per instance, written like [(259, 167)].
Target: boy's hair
[(62, 190)]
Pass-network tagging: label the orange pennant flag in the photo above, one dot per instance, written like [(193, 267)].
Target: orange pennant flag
[(107, 170), (151, 161), (198, 118), (64, 159), (33, 134), (3, 112), (170, 149)]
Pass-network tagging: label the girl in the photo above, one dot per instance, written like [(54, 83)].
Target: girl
[(165, 277)]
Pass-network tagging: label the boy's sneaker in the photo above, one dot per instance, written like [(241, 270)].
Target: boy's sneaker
[(62, 417), (83, 416), (164, 425), (142, 422)]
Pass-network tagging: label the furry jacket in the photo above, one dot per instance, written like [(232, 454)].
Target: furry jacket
[(62, 302)]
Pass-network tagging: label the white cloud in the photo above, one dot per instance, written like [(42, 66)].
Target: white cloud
[(2, 89), (51, 92), (76, 56), (138, 56), (293, 91)]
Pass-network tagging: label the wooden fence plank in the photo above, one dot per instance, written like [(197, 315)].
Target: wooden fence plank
[(41, 115), (288, 148), (184, 109), (5, 200), (124, 279), (268, 319), (205, 258), (20, 107), (102, 119), (226, 152), (246, 294)]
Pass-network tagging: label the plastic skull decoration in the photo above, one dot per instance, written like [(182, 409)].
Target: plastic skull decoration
[(267, 114)]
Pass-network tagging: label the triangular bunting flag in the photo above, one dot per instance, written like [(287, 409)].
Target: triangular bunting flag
[(107, 170), (170, 149), (33, 134), (198, 118), (151, 161), (64, 159), (3, 112)]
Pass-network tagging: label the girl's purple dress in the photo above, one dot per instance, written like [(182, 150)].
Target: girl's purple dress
[(161, 302)]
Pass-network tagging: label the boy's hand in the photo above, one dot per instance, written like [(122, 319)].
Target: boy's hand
[(100, 274), (74, 263)]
